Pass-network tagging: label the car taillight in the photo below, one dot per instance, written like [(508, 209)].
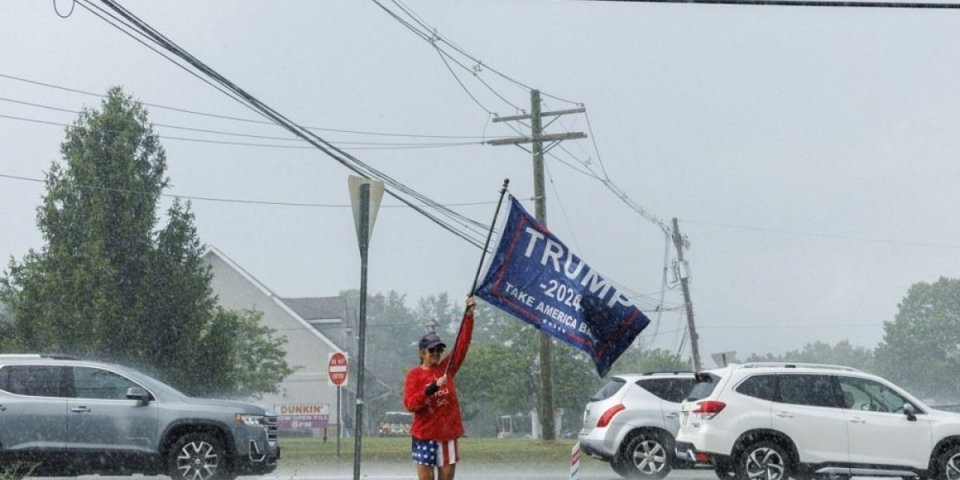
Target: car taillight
[(608, 415), (709, 408)]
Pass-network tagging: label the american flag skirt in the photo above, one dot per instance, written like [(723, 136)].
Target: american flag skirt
[(434, 453)]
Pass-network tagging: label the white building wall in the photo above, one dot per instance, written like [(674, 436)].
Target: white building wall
[(307, 349)]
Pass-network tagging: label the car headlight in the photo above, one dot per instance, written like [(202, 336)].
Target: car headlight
[(249, 420)]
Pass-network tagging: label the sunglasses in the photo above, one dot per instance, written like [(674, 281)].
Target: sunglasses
[(435, 350)]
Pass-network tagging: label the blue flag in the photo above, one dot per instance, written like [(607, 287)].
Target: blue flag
[(536, 278)]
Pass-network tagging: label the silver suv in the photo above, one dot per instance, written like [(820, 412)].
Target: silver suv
[(73, 417), (631, 423), (771, 421)]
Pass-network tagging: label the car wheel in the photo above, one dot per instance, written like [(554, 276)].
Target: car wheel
[(199, 456), (722, 470), (645, 455), (621, 468), (764, 460), (948, 465)]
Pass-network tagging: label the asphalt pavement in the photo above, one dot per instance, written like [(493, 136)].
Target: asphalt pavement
[(589, 470)]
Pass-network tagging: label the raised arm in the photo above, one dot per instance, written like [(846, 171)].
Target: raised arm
[(463, 340)]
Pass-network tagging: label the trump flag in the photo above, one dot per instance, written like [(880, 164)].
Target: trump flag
[(535, 277)]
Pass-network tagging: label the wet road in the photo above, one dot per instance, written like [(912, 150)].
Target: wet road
[(592, 470)]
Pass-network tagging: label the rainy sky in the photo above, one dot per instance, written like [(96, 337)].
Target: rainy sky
[(808, 154)]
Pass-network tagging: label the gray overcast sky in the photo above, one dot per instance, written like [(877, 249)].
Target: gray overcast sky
[(809, 154)]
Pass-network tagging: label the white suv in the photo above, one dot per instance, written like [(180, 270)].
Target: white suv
[(631, 423), (771, 421)]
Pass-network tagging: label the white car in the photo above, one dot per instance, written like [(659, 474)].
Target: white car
[(631, 423), (771, 421)]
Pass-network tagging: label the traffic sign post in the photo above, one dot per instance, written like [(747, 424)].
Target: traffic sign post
[(365, 195), (337, 373)]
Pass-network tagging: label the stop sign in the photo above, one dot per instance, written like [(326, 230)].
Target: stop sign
[(337, 368)]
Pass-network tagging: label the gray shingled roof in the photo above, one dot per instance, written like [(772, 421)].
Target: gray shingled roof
[(318, 308)]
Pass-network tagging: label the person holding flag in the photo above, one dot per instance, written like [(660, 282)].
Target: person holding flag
[(429, 392)]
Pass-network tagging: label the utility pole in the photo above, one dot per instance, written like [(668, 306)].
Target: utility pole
[(684, 282), (537, 138)]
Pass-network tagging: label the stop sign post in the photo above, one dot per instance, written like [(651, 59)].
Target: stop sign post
[(337, 369), (337, 373)]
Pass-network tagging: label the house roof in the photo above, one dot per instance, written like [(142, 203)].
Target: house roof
[(311, 312), (318, 308), (211, 250)]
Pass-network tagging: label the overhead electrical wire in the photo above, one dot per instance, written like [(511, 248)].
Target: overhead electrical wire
[(352, 145), (803, 3), (228, 117), (430, 34), (464, 227), (132, 22), (247, 201)]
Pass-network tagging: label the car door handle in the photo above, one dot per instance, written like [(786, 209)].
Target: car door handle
[(857, 420), (2, 408), (80, 409), (785, 415), (671, 415)]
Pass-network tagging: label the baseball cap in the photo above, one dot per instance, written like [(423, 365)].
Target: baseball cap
[(431, 340)]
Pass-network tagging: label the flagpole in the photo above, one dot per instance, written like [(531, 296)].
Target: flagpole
[(483, 255), (486, 245)]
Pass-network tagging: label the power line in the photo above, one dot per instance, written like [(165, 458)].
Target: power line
[(823, 235), (243, 201), (353, 145), (464, 227), (432, 36), (802, 3), (227, 117)]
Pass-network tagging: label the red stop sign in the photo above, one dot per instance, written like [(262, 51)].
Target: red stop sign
[(337, 368)]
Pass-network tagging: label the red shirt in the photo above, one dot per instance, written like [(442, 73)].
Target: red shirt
[(437, 417)]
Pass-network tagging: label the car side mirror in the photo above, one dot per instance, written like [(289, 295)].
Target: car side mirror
[(910, 412), (138, 394)]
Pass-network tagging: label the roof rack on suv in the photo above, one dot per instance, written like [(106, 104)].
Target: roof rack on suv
[(54, 356), (798, 365), (651, 372), (59, 356)]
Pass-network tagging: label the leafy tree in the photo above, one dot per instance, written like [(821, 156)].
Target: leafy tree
[(109, 284), (254, 356), (921, 346), (843, 353), (7, 338), (392, 332), (636, 360)]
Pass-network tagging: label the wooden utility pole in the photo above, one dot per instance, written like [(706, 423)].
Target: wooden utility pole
[(684, 282), (537, 138)]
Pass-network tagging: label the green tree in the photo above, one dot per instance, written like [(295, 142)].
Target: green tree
[(7, 337), (109, 283), (843, 353), (636, 360), (921, 346)]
